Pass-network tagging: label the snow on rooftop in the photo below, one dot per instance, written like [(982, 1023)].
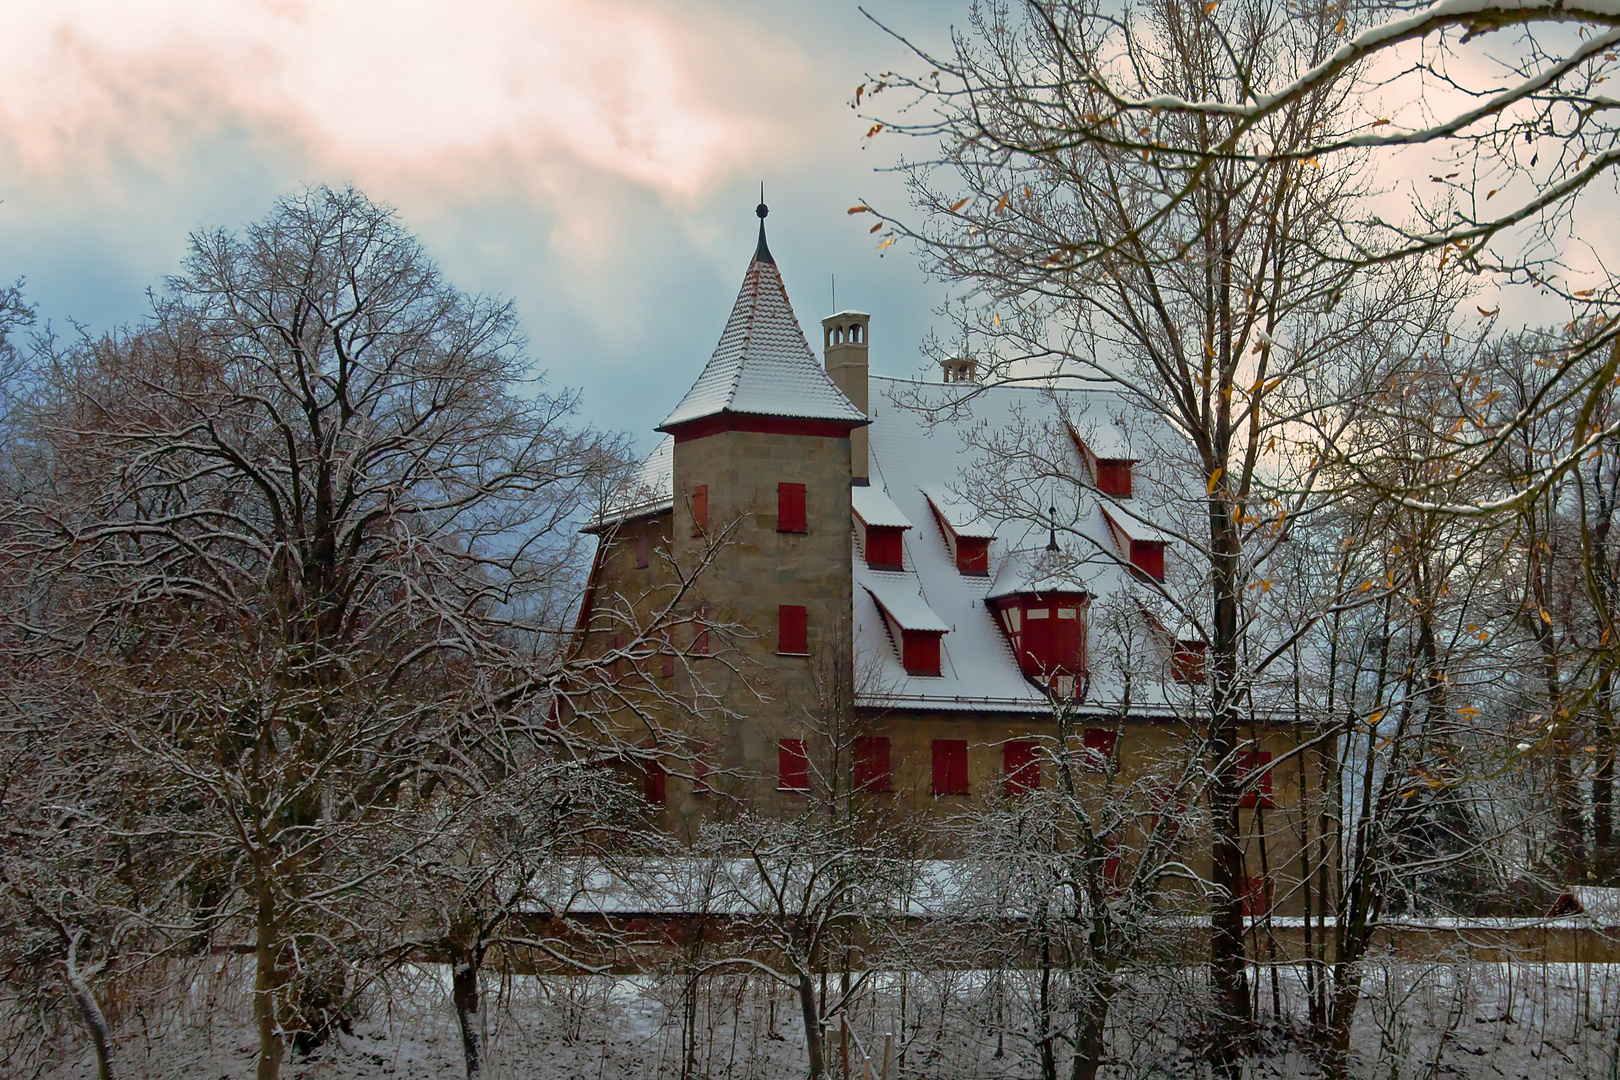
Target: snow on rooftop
[(1132, 526), (914, 461), (875, 507), (763, 366), (900, 597), (651, 489), (963, 518), (1036, 571)]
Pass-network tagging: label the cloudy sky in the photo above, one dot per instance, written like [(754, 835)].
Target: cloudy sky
[(598, 160)]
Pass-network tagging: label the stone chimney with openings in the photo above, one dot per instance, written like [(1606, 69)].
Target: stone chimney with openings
[(844, 344)]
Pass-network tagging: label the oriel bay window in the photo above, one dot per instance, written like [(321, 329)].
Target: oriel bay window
[(1047, 632)]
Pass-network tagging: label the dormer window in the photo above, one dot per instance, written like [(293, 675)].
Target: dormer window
[(913, 626), (883, 527), (966, 532), (1140, 544)]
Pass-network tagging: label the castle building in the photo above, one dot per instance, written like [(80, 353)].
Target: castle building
[(890, 588)]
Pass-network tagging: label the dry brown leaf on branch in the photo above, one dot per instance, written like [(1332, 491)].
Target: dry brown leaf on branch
[(860, 209), (1002, 205), (958, 204), (885, 243), (875, 128), (875, 228)]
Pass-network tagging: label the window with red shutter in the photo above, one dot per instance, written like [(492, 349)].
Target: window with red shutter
[(1147, 559), (884, 548), (655, 777), (919, 651), (666, 656), (792, 630), (973, 556), (872, 763), (643, 551), (700, 777), (700, 508), (950, 767), (1187, 661), (1114, 477), (1256, 782), (1256, 896), (1022, 770), (792, 765), (1099, 745), (790, 508)]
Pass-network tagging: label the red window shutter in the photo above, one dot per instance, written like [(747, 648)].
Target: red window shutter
[(1023, 772), (1036, 639), (792, 765), (792, 630), (920, 652), (700, 508), (950, 767), (700, 776), (884, 548), (655, 778), (1256, 896), (790, 508), (616, 665), (872, 763), (1068, 638), (973, 556), (643, 551), (1114, 477), (1187, 661), (1147, 557), (1099, 744), (1257, 787)]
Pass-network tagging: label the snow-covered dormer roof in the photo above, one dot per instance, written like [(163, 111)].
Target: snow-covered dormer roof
[(763, 365), (874, 507)]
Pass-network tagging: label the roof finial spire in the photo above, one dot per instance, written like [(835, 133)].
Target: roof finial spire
[(1051, 527), (762, 253)]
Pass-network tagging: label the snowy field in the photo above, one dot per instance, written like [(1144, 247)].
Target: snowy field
[(1484, 1021)]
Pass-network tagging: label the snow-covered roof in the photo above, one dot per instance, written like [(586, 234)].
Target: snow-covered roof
[(919, 465), (1035, 571), (964, 520), (873, 507), (763, 366), (902, 600), (1133, 527), (651, 489)]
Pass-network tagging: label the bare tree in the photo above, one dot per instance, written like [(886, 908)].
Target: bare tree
[(1208, 289), (302, 541)]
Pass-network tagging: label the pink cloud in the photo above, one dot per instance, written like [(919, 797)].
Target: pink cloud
[(451, 93)]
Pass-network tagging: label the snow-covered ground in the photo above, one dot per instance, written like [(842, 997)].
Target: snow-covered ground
[(1445, 1020)]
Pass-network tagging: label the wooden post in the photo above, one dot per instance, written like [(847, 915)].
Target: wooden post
[(887, 1040)]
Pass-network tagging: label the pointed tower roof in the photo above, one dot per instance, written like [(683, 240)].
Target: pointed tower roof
[(763, 366)]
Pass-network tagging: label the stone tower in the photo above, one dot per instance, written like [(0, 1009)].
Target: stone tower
[(761, 480)]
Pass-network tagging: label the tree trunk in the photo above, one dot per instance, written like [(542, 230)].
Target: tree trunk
[(812, 1025), (95, 1021), (266, 981), (1226, 952), (464, 993), (1090, 1028), (1606, 861)]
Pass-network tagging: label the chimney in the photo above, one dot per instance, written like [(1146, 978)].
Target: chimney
[(844, 344)]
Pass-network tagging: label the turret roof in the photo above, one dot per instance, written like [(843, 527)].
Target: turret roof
[(763, 365)]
